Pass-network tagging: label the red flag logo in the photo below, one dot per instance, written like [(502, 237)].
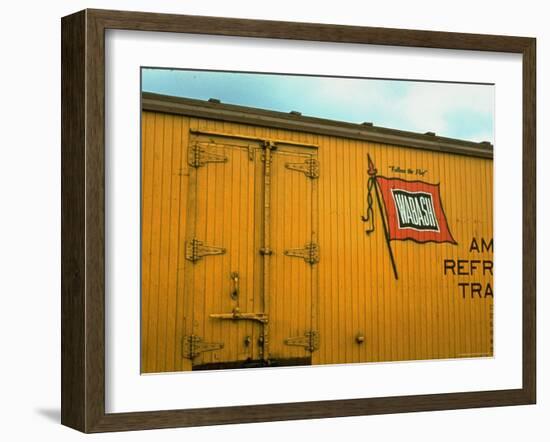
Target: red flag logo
[(414, 211), (408, 210)]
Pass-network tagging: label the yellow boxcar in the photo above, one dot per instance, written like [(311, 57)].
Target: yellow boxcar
[(272, 239)]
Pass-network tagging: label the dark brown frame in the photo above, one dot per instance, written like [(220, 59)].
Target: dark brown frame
[(83, 216)]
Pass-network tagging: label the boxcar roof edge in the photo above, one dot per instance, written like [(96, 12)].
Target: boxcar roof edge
[(297, 122)]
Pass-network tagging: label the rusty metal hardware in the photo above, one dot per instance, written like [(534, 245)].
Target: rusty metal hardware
[(237, 315), (251, 149), (309, 167), (210, 133), (359, 338), (270, 145), (310, 253), (235, 291), (310, 340), (266, 251), (201, 153), (195, 250), (194, 345), (247, 341)]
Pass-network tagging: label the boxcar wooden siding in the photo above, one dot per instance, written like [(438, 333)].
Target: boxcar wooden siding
[(350, 292)]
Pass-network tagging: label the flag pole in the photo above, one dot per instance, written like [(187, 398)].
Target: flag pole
[(372, 173)]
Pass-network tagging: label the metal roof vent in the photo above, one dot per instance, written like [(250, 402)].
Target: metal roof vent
[(431, 134), (367, 123), (295, 113), (214, 100)]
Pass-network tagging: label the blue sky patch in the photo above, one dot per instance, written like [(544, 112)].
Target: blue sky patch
[(456, 110)]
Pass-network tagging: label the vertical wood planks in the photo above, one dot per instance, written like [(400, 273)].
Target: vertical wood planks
[(163, 145)]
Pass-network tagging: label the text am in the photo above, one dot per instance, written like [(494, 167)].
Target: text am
[(473, 267)]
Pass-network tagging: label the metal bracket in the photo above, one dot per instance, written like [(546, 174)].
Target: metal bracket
[(201, 153), (193, 345), (236, 315), (195, 250), (251, 150), (309, 167), (310, 341), (266, 251), (235, 280), (310, 253)]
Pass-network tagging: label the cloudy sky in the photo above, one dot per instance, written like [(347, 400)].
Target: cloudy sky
[(464, 111)]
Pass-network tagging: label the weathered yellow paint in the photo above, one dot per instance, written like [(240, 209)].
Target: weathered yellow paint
[(350, 292)]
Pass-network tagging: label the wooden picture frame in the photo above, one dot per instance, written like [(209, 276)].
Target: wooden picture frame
[(83, 220)]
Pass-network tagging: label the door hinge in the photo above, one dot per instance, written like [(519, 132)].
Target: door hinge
[(309, 167), (193, 345), (310, 253), (310, 341), (195, 250), (201, 153)]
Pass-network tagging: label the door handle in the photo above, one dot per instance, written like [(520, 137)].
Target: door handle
[(235, 280)]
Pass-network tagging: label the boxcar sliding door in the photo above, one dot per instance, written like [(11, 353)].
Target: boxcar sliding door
[(251, 253)]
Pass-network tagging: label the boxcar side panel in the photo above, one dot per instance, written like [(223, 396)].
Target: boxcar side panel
[(439, 307)]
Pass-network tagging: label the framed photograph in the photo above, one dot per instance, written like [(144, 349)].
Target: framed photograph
[(267, 220)]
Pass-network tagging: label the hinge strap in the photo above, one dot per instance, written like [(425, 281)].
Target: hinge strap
[(195, 250), (201, 153), (309, 167), (193, 345), (310, 253), (310, 341)]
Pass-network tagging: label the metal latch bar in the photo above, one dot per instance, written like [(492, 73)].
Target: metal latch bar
[(237, 315)]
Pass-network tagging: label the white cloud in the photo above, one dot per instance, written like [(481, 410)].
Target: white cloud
[(427, 105)]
